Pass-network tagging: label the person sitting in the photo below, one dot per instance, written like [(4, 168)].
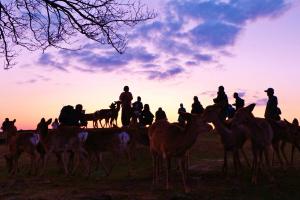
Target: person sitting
[(239, 102), (197, 108), (146, 117), (181, 118), (222, 101), (160, 115), (272, 111)]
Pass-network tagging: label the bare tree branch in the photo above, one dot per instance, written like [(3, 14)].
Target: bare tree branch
[(39, 24)]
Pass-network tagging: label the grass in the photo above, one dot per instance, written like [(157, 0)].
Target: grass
[(206, 180)]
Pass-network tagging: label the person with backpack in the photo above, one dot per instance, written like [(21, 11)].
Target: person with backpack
[(272, 111)]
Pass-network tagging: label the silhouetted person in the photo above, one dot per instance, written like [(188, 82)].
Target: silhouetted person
[(146, 117), (197, 108), (5, 124), (55, 124), (126, 98), (239, 102), (272, 111), (222, 101), (67, 116), (137, 108), (160, 114), (181, 118), (79, 116)]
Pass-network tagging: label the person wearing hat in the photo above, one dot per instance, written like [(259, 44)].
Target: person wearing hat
[(222, 101), (272, 112), (197, 108), (126, 98), (239, 102)]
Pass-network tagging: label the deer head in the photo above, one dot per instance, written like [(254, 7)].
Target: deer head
[(294, 132), (198, 123), (42, 127), (211, 113), (243, 115)]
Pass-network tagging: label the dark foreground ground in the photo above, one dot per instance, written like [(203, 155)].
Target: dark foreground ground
[(206, 180)]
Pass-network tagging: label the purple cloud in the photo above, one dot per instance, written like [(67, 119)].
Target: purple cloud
[(164, 74)]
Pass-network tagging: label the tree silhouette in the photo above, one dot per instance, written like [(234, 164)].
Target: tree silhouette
[(39, 24)]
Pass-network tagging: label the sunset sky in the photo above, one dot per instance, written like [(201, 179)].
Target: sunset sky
[(189, 49)]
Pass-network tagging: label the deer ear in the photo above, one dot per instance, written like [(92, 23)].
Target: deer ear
[(287, 121), (49, 121), (251, 107)]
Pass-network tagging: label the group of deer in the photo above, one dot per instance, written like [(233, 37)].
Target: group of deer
[(110, 116), (70, 144), (169, 140)]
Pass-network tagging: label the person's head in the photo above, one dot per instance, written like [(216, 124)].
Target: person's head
[(181, 105), (126, 88), (296, 122), (160, 109), (56, 120), (6, 119), (78, 107), (139, 98), (146, 107), (221, 88), (43, 120), (196, 98), (235, 95), (270, 91)]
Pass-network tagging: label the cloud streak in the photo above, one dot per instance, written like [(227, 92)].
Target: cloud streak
[(188, 33)]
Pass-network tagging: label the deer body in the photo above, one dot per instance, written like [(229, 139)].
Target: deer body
[(170, 140), (113, 140), (19, 143), (60, 141), (232, 140), (261, 134)]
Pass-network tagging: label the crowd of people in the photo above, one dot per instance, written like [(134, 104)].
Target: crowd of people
[(141, 113)]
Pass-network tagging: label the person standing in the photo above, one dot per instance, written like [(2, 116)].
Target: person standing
[(272, 111), (137, 108), (222, 101), (197, 108), (126, 98), (181, 118)]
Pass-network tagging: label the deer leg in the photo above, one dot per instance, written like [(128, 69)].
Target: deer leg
[(167, 172), (63, 158), (234, 156), (292, 154), (268, 152), (106, 171), (276, 148), (245, 158), (154, 170), (224, 169), (129, 159), (282, 148), (254, 167), (182, 166)]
